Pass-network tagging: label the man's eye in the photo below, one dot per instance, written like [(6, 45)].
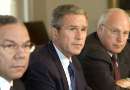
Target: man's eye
[(126, 33), (114, 30), (83, 29), (27, 45), (9, 46), (72, 29)]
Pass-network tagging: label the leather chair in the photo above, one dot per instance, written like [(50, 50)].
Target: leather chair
[(37, 32)]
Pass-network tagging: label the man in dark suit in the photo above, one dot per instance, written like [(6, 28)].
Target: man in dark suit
[(18, 85), (110, 39), (48, 69), (14, 52)]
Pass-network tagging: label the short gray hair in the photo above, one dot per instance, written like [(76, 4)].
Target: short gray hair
[(108, 12), (62, 10), (8, 19)]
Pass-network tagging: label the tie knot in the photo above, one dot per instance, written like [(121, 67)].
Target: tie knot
[(70, 65), (71, 69), (115, 67), (114, 57), (11, 88)]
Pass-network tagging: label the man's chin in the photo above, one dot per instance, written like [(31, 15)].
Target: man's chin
[(117, 51), (77, 52), (17, 76)]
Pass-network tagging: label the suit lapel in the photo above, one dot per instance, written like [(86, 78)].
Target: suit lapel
[(79, 77), (62, 73), (77, 73), (18, 85), (58, 65)]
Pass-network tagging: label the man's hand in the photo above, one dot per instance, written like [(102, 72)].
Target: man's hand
[(124, 83)]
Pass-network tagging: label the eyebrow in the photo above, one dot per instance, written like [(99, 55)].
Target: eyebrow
[(113, 27), (77, 26), (7, 40)]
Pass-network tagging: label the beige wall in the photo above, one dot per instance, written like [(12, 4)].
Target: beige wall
[(41, 9), (93, 7)]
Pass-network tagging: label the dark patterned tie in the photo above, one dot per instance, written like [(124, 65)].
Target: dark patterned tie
[(71, 70), (11, 88), (115, 67)]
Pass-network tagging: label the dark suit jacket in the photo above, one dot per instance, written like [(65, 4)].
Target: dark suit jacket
[(18, 85), (45, 71), (97, 64)]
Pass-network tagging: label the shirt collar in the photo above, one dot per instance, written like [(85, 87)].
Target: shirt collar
[(109, 53), (64, 60), (4, 84)]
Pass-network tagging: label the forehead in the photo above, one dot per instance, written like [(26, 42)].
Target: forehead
[(118, 20), (78, 19), (13, 32)]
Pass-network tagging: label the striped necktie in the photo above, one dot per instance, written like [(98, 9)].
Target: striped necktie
[(71, 70), (115, 67)]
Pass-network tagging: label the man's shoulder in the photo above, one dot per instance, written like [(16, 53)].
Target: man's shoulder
[(93, 49), (18, 85), (93, 43)]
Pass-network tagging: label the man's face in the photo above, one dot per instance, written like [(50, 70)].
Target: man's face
[(114, 33), (14, 54), (70, 38)]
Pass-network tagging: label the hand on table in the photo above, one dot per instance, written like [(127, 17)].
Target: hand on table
[(124, 83)]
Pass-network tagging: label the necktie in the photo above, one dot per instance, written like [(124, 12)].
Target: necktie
[(71, 70), (11, 88), (116, 68)]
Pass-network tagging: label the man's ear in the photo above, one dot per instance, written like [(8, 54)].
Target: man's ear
[(100, 28), (54, 33)]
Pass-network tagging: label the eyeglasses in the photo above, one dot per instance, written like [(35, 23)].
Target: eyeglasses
[(116, 32), (13, 47)]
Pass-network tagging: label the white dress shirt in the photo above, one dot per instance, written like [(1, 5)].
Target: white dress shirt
[(4, 84), (65, 63)]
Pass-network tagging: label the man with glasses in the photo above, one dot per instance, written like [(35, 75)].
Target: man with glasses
[(105, 58), (15, 49)]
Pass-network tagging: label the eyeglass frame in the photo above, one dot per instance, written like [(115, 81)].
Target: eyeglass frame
[(27, 46), (116, 31)]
